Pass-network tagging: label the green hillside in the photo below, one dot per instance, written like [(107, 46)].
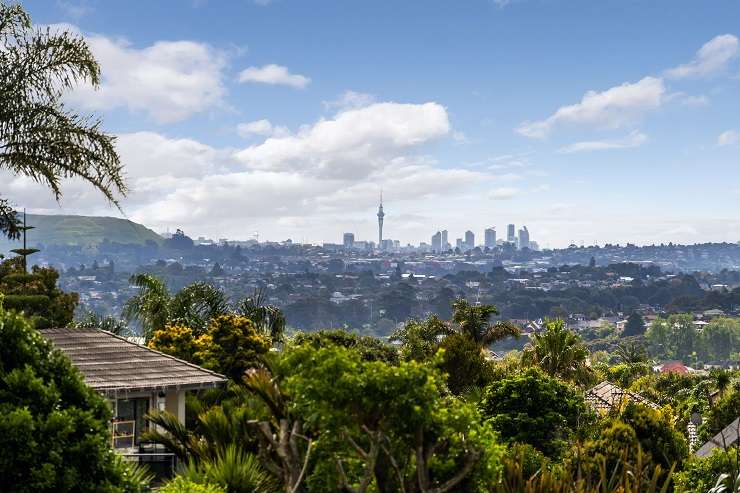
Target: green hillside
[(82, 230)]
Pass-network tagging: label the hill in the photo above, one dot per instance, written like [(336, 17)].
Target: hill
[(82, 230)]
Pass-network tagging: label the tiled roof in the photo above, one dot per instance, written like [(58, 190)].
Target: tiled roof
[(111, 364), (607, 395), (724, 439)]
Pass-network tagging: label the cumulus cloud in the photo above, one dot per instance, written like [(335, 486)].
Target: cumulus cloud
[(261, 127), (711, 58), (612, 108), (728, 137), (354, 143), (168, 80), (274, 75), (634, 139)]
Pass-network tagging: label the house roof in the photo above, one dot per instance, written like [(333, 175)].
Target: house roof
[(725, 438), (606, 395), (110, 364)]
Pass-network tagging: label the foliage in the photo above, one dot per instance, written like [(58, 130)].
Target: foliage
[(559, 352), (369, 348), (625, 374), (700, 474), (674, 335), (36, 294), (234, 470), (720, 415), (232, 345), (91, 320), (464, 364), (269, 320), (534, 408), (661, 442), (384, 424), (473, 320), (181, 484), (635, 325), (53, 428), (39, 137), (178, 341), (420, 338)]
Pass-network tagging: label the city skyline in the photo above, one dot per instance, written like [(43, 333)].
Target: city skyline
[(230, 122)]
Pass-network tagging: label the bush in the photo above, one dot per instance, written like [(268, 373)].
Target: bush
[(54, 435), (181, 484), (700, 474), (534, 408), (464, 364)]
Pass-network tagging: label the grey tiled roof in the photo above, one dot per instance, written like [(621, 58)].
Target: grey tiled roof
[(606, 395), (725, 438), (111, 364)]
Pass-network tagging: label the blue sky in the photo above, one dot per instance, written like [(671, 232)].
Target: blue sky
[(588, 121)]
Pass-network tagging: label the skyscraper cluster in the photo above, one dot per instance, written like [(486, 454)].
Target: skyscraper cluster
[(519, 241)]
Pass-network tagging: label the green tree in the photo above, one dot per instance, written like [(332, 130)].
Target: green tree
[(53, 428), (232, 345), (464, 364), (474, 321), (559, 352), (269, 319), (420, 338), (635, 325), (675, 337), (534, 408), (658, 437), (39, 137), (36, 294), (92, 320)]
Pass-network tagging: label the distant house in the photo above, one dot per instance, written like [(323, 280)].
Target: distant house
[(724, 439), (607, 396), (133, 378), (672, 367)]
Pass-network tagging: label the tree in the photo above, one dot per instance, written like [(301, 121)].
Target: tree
[(36, 294), (53, 428), (464, 364), (39, 137), (635, 325), (420, 338), (269, 319), (559, 352), (533, 408), (474, 321), (92, 320), (232, 345), (369, 348)]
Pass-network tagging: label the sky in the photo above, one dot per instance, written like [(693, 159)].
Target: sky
[(608, 121)]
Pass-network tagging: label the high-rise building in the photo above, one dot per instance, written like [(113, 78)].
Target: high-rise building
[(524, 237), (381, 215), (490, 237), (511, 233), (437, 242), (349, 241), (469, 240), (445, 243), (459, 244)]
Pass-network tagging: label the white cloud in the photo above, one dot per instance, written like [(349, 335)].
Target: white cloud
[(261, 127), (728, 137), (711, 58), (634, 139), (274, 75), (354, 143), (350, 99), (503, 193), (168, 80), (74, 10), (612, 108)]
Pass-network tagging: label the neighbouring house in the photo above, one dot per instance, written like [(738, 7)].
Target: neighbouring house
[(672, 367), (726, 438), (606, 396), (135, 380)]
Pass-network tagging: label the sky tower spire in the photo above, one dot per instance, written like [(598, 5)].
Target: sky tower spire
[(381, 215)]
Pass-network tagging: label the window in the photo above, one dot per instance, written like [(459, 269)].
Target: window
[(129, 422)]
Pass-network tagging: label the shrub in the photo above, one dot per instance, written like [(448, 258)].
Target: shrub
[(181, 484)]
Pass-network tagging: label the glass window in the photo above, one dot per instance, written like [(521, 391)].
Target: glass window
[(130, 421)]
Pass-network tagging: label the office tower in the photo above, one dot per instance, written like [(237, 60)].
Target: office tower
[(381, 215), (490, 237), (349, 241), (510, 234), (459, 244), (445, 243), (469, 239), (437, 242), (524, 237)]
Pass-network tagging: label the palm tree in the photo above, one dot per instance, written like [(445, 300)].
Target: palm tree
[(474, 321), (559, 352), (269, 319), (152, 306), (39, 137), (722, 380), (196, 305), (631, 354)]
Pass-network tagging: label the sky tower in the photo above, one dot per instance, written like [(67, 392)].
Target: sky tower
[(381, 215)]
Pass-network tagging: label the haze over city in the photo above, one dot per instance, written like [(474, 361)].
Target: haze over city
[(608, 123)]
